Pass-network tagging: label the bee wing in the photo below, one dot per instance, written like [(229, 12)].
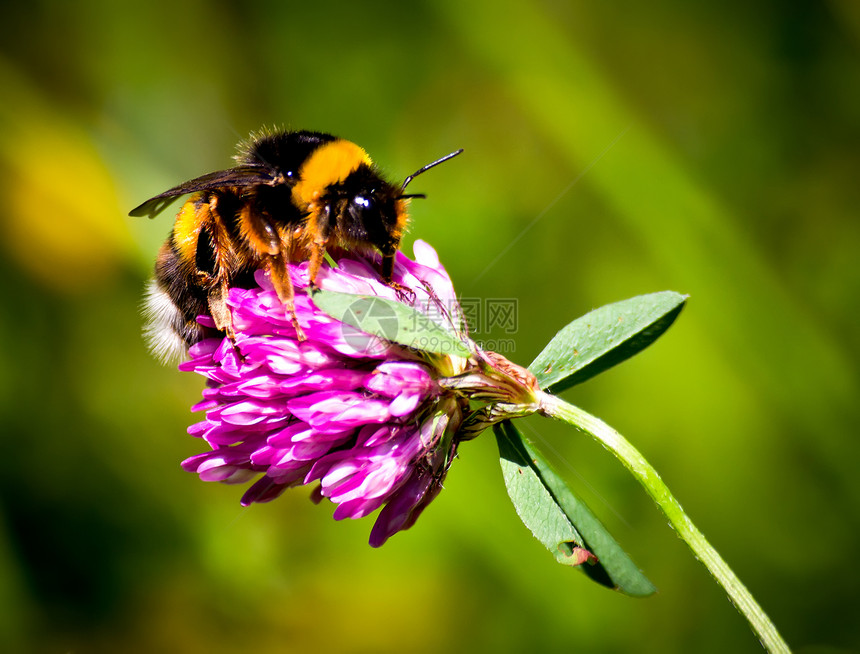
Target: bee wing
[(248, 175)]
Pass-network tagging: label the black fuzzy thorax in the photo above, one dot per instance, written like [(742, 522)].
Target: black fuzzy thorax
[(282, 152)]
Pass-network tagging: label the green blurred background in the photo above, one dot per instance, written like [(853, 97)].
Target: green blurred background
[(708, 148)]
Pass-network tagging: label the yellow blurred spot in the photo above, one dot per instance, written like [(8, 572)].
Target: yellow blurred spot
[(63, 224)]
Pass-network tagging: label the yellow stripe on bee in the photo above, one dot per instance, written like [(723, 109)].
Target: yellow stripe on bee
[(329, 164), (186, 230)]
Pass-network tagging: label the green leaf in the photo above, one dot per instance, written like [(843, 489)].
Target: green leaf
[(561, 520), (603, 338), (389, 320)]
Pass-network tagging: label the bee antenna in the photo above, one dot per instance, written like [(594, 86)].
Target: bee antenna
[(403, 196), (428, 167)]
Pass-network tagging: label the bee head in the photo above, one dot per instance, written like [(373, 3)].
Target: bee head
[(376, 211), (367, 209), (347, 201)]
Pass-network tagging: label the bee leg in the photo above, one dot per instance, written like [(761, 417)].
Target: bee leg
[(388, 266), (280, 277), (404, 293), (219, 310), (317, 256)]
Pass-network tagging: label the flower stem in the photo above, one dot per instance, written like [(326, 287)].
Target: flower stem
[(645, 473)]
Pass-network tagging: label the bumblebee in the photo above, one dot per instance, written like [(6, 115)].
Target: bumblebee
[(292, 197)]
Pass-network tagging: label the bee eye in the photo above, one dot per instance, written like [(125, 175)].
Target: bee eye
[(363, 202)]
